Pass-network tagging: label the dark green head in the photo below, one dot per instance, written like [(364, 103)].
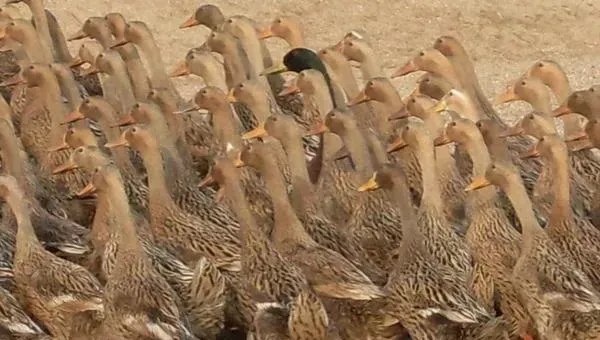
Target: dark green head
[(300, 59)]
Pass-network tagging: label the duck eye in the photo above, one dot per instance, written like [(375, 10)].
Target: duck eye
[(531, 117), (134, 129), (422, 54), (540, 64), (80, 150), (413, 100), (87, 101), (542, 139), (324, 52), (12, 23), (204, 92), (31, 67), (241, 86), (452, 123), (493, 167), (350, 43), (192, 56), (450, 93), (274, 119), (278, 21), (478, 124), (523, 83), (230, 21)]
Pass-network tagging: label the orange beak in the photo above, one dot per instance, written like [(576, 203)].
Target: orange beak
[(118, 43), (396, 145), (265, 32), (68, 166), (531, 153), (576, 136), (257, 132), (73, 117), (508, 95), (580, 144), (400, 114), (442, 140), (76, 62), (125, 121), (88, 191), (362, 97), (409, 67), (562, 110), (231, 96), (78, 35), (121, 142), (62, 146), (318, 128), (180, 71), (190, 22)]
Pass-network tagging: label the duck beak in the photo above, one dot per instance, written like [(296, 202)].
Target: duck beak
[(125, 120), (265, 32), (17, 79), (193, 107), (580, 144), (339, 46), (180, 71), (220, 195), (289, 88), (317, 129), (208, 180), (508, 95), (396, 145), (68, 166), (78, 35), (576, 136), (231, 97), (74, 116), (274, 70), (478, 183), (77, 61), (238, 163), (88, 191), (515, 130), (62, 146), (342, 153), (400, 114), (441, 105), (190, 22), (362, 97), (442, 140), (121, 142), (118, 43), (562, 110), (370, 185), (257, 132), (409, 67), (90, 70), (531, 153)]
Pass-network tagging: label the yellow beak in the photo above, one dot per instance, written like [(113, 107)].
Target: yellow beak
[(478, 183)]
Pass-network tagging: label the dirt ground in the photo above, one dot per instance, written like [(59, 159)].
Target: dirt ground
[(503, 37)]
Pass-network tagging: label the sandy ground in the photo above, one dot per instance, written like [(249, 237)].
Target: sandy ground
[(504, 37)]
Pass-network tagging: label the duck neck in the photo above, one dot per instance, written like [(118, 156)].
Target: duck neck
[(343, 72), (357, 147), (128, 238), (369, 66), (59, 42), (287, 227), (401, 197), (107, 119), (559, 84), (561, 206), (481, 160), (70, 90), (213, 76), (158, 192), (237, 63), (136, 70), (158, 75), (249, 231), (13, 161), (523, 208), (302, 194), (260, 107), (123, 84), (26, 237), (295, 39), (35, 50), (224, 125), (41, 23), (541, 103), (431, 187), (53, 103)]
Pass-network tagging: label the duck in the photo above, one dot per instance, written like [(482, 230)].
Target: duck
[(416, 269), (280, 282), (134, 274), (53, 299), (493, 241), (217, 242), (441, 240), (540, 261), (573, 235), (14, 321)]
